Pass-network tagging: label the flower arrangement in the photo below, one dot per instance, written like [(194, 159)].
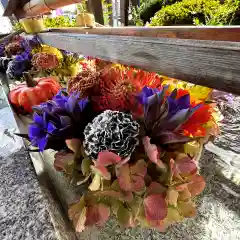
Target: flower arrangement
[(132, 140), (51, 61), (19, 56)]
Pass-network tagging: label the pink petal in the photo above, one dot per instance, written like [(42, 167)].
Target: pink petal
[(155, 207), (137, 183), (155, 188), (197, 185), (107, 158), (186, 166), (97, 215), (73, 144), (92, 216), (104, 214), (152, 152)]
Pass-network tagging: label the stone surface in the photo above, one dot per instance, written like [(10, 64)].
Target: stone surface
[(23, 209)]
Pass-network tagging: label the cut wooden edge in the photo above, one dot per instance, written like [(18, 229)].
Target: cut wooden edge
[(214, 33)]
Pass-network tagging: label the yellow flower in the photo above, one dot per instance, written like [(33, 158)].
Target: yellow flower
[(197, 92), (48, 49)]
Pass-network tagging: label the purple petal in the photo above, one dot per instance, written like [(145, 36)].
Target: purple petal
[(42, 143), (34, 131), (71, 103), (45, 120), (37, 119), (60, 100), (184, 101), (65, 121), (51, 128), (83, 103), (19, 58)]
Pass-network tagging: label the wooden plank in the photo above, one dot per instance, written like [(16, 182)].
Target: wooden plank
[(229, 33), (11, 35), (210, 63)]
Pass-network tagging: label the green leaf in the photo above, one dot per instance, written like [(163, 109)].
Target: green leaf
[(86, 166), (125, 217), (84, 180), (187, 209), (76, 208), (172, 197), (173, 216), (184, 195), (101, 170), (80, 225), (139, 168), (96, 183)]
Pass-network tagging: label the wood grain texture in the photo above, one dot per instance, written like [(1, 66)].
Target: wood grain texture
[(230, 33), (210, 63)]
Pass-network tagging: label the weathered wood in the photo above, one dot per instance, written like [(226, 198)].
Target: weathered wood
[(230, 33), (210, 63)]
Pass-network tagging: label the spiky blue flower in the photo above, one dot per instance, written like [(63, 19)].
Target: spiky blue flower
[(57, 120)]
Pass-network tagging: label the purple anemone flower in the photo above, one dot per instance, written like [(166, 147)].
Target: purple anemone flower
[(176, 105), (164, 115), (64, 117), (146, 92)]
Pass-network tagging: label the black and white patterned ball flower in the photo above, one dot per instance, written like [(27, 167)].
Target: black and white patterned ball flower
[(113, 131)]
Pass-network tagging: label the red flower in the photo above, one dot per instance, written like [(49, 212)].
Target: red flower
[(118, 88), (195, 124)]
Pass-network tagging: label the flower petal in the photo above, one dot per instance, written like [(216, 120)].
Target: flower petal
[(107, 158), (155, 207), (71, 103), (42, 143), (152, 152), (197, 185), (37, 119), (51, 128), (186, 166), (34, 131), (83, 103), (137, 184), (155, 188)]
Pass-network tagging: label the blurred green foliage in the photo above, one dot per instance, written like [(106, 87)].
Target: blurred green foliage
[(56, 22), (198, 12), (148, 8), (59, 21)]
